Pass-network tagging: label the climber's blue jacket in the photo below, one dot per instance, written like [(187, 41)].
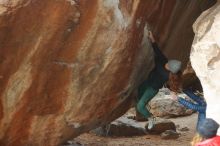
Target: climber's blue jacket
[(199, 106)]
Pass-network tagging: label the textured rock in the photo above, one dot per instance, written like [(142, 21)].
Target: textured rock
[(162, 105), (121, 127), (160, 126), (171, 21), (170, 134), (184, 129), (205, 58), (68, 66), (73, 143)]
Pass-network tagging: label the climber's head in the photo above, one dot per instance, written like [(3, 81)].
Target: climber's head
[(175, 76), (174, 66)]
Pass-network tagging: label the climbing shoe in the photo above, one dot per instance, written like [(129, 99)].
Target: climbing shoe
[(151, 122)]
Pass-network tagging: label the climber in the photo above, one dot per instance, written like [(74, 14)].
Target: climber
[(207, 134), (199, 106), (164, 71)]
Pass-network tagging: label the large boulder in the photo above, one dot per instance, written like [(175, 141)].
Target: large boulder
[(67, 66), (162, 105), (205, 58)]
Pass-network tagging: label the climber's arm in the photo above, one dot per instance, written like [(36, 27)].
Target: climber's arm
[(191, 105), (158, 54), (194, 97)]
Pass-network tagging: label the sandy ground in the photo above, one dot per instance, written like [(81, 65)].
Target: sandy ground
[(90, 139)]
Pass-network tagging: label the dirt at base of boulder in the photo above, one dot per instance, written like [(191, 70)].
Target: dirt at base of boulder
[(90, 139)]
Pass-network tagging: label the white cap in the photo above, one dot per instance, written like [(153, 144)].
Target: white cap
[(174, 65)]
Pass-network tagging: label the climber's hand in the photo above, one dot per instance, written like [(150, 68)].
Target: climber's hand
[(151, 37)]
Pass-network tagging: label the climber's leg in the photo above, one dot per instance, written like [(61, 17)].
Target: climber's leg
[(145, 98)]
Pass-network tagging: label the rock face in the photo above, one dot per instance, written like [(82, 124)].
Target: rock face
[(68, 66), (172, 22), (163, 105), (205, 58)]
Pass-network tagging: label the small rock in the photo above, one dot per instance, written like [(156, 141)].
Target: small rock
[(138, 117), (121, 127), (170, 134), (73, 143), (177, 126), (160, 126), (184, 129)]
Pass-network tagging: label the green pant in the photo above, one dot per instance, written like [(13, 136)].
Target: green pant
[(146, 94)]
